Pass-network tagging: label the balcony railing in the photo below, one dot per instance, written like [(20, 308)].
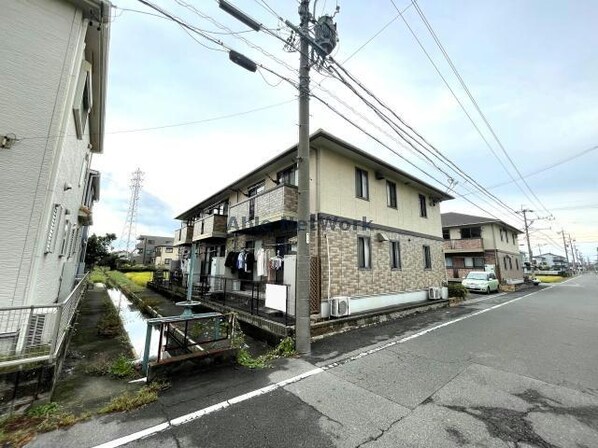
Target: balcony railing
[(37, 333), (464, 245), (277, 204), (211, 226), (183, 235)]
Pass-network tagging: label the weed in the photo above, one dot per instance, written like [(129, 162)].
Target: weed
[(98, 275), (43, 410), (122, 368), (18, 430), (129, 401), (285, 349), (457, 290), (109, 325)]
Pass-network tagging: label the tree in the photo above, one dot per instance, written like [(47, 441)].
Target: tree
[(98, 250)]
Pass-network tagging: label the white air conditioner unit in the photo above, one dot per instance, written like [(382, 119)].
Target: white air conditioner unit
[(434, 293), (339, 306)]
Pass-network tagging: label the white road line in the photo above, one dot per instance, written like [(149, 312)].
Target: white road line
[(267, 389)]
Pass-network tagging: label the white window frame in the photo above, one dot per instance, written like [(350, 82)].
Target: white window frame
[(83, 101), (395, 255), (54, 225), (64, 248), (367, 252)]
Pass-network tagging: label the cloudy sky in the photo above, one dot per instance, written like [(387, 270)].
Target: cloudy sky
[(530, 65)]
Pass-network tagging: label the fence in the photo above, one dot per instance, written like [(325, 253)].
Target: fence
[(249, 296), (37, 333)]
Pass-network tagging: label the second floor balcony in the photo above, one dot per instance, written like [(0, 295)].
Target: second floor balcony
[(277, 204), (183, 235), (210, 226), (464, 245)]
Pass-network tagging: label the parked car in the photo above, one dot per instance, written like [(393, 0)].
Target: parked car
[(481, 281)]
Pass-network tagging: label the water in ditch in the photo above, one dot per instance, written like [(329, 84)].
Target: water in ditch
[(134, 323)]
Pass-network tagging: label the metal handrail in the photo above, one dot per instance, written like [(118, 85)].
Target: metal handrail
[(37, 332)]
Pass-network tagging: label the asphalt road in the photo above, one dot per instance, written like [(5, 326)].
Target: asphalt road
[(516, 370)]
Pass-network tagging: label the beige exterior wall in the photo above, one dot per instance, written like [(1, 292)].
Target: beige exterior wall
[(266, 176), (162, 254), (491, 237), (336, 196), (507, 244)]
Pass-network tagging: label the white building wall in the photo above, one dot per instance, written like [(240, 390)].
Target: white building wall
[(41, 52)]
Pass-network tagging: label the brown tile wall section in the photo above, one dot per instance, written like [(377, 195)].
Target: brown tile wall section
[(348, 279)]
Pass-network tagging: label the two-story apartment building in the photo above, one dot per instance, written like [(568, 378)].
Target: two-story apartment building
[(165, 256), (53, 76), (375, 233), (477, 243), (551, 261), (145, 249)]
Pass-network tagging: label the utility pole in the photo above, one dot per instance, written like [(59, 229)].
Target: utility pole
[(323, 44), (524, 212), (562, 232), (302, 323), (573, 254)]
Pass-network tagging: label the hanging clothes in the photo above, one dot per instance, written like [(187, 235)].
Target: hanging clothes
[(261, 262), (231, 257), (240, 263), (248, 261)]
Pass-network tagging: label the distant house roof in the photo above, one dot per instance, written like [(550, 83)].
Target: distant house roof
[(551, 254), (341, 146), (460, 219)]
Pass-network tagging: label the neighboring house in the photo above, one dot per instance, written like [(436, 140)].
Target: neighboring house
[(477, 243), (375, 235), (552, 261), (145, 250), (53, 76), (166, 256)]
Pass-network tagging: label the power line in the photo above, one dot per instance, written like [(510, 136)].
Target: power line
[(548, 167), (174, 125), (390, 22), (473, 100)]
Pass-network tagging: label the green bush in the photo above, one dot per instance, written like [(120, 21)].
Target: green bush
[(457, 290)]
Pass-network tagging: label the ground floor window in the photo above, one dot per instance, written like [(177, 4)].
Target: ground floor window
[(364, 258), (448, 261), (427, 257)]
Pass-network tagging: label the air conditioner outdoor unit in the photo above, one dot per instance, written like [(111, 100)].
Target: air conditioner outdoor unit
[(434, 293), (339, 306)]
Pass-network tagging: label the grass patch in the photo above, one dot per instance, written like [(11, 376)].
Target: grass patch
[(550, 278), (122, 367), (129, 401), (98, 275), (139, 278), (110, 326), (18, 430), (121, 280), (285, 349)]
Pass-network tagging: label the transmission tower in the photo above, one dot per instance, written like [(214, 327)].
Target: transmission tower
[(130, 227)]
